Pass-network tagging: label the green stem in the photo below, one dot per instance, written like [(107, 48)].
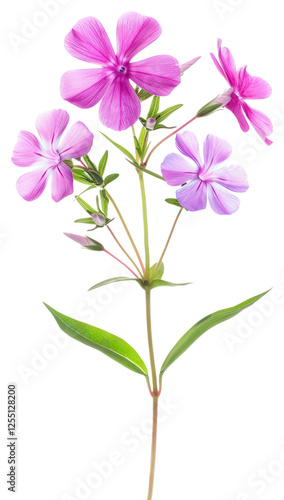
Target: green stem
[(145, 224), (126, 230), (157, 267), (154, 447)]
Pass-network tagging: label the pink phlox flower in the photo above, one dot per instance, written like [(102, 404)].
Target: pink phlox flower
[(206, 178), (244, 87), (120, 107), (48, 155)]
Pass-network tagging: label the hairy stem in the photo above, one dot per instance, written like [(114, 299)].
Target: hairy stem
[(124, 251), (125, 265), (126, 230), (166, 246), (167, 137)]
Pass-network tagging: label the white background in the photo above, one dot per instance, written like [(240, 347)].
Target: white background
[(80, 407)]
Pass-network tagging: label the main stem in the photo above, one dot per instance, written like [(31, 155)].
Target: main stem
[(155, 394), (145, 224)]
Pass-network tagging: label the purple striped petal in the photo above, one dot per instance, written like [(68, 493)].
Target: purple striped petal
[(187, 144), (82, 240), (88, 41), (62, 182), (27, 151), (85, 87), (193, 196), (176, 170), (228, 64), (120, 107), (235, 106), (215, 150), (135, 32), (77, 142), (252, 87), (218, 66), (158, 75), (260, 122), (50, 126), (222, 201), (31, 185), (232, 177)]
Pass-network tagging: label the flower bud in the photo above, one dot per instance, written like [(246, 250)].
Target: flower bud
[(150, 123), (99, 219), (185, 66)]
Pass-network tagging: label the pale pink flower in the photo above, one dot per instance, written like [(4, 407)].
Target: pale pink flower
[(48, 155)]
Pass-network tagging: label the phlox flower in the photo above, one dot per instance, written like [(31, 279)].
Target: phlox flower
[(48, 155), (244, 87), (120, 107), (202, 179)]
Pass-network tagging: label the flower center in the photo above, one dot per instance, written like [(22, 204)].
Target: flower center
[(122, 69)]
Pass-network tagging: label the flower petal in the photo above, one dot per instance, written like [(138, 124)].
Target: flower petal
[(260, 122), (158, 75), (215, 151), (77, 142), (27, 151), (236, 107), (232, 177), (222, 201), (135, 32), (218, 66), (85, 87), (228, 64), (252, 87), (82, 240), (88, 41), (187, 144), (50, 126), (176, 170), (193, 196), (62, 182), (31, 185), (120, 107)]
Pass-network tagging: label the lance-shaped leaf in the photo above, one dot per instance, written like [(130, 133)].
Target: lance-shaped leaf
[(115, 280), (111, 345), (173, 201), (102, 164), (154, 108), (121, 148), (202, 326), (157, 282), (167, 112), (110, 178), (145, 170), (160, 271)]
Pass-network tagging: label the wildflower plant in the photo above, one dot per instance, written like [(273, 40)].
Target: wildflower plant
[(211, 176)]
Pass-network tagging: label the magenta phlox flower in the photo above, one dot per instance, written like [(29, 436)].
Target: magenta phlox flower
[(48, 155), (120, 107), (202, 179), (245, 87)]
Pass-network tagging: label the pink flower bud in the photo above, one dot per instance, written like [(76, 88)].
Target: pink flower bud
[(185, 66), (99, 219), (150, 123)]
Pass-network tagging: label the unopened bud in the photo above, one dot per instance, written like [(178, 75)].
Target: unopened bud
[(150, 123), (185, 66), (98, 219)]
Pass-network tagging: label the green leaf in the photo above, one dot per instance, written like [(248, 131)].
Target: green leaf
[(167, 112), (157, 282), (142, 136), (142, 94), (137, 147), (86, 206), (111, 345), (86, 220), (104, 201), (96, 177), (160, 271), (173, 201), (89, 163), (102, 164), (110, 178), (202, 326), (80, 175), (145, 170), (154, 108), (121, 148), (114, 280)]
